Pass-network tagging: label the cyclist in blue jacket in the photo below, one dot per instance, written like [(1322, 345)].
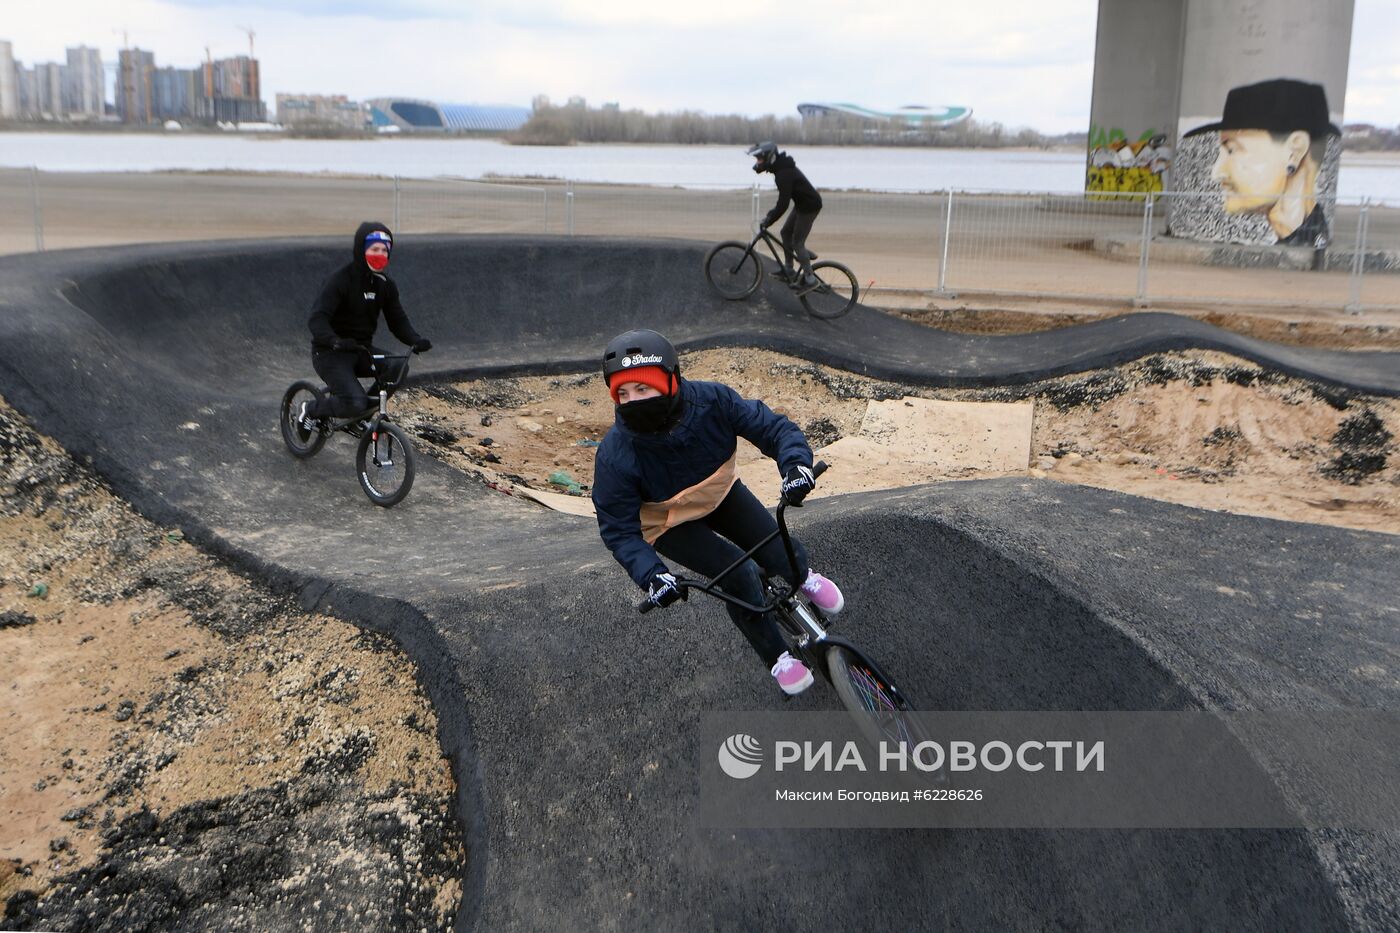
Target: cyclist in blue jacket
[(666, 483)]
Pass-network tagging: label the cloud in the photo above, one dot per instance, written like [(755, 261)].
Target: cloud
[(372, 9), (1018, 62)]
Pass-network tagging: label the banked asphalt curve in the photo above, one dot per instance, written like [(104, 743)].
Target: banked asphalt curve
[(572, 722)]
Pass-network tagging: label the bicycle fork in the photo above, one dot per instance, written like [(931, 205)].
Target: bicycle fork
[(388, 460), (812, 631)]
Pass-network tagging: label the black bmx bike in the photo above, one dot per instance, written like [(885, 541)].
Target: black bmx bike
[(384, 458), (883, 713), (735, 270)]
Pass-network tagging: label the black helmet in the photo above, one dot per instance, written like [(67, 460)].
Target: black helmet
[(639, 348), (763, 153)]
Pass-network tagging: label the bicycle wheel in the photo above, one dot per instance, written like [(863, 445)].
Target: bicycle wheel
[(733, 274), (836, 294), (300, 442), (880, 710), (384, 460)]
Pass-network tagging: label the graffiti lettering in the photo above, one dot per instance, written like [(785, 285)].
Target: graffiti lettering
[(1123, 170)]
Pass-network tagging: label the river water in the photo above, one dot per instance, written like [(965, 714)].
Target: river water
[(1373, 175)]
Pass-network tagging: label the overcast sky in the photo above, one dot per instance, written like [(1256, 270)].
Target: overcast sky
[(1018, 62)]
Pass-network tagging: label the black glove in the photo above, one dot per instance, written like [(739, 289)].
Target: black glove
[(764, 224), (663, 589), (345, 344), (797, 483), (422, 345)]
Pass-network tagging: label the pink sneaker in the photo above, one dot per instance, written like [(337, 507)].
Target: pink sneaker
[(823, 593), (791, 674)]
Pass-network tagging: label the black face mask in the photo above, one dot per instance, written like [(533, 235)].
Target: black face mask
[(650, 415)]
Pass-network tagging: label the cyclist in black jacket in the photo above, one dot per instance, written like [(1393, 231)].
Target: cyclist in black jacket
[(344, 320), (793, 186)]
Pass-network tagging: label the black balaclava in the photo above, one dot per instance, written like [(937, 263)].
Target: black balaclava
[(653, 415), (365, 229)]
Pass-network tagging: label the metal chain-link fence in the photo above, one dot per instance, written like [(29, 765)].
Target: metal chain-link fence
[(953, 242)]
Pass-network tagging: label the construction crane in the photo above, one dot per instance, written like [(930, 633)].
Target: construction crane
[(251, 34), (124, 78)]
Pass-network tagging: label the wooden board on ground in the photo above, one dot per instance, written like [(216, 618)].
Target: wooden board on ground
[(903, 442)]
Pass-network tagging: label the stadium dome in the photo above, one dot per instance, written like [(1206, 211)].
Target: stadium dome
[(911, 114), (424, 115)]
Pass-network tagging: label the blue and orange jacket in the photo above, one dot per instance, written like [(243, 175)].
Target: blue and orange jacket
[(632, 467)]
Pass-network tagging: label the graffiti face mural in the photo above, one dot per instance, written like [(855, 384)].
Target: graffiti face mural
[(1272, 146), (1254, 168)]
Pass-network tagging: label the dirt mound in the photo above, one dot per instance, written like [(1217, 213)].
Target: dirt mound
[(1201, 429), (1299, 327), (188, 749)]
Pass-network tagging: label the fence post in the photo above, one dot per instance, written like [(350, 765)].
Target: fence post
[(753, 208), (947, 235), (38, 211), (1144, 251), (397, 198), (545, 226), (569, 207), (1358, 257)]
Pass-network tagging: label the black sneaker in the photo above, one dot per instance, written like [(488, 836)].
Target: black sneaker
[(305, 422), (783, 275)]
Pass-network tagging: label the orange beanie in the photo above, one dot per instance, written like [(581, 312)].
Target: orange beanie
[(653, 376)]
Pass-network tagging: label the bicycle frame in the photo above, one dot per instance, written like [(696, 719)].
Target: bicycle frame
[(378, 391), (809, 631), (775, 247), (778, 252), (811, 637)]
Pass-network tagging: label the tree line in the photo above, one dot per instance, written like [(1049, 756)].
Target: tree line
[(1378, 139), (551, 125)]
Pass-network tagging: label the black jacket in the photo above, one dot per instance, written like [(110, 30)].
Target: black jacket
[(792, 186), (1311, 232), (352, 299)]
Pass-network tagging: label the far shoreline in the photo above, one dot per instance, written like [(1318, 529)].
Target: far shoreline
[(268, 136), (283, 135)]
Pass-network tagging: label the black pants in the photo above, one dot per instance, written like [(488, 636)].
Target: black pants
[(701, 546), (342, 371), (795, 232)]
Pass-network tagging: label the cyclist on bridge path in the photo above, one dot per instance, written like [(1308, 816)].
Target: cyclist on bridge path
[(793, 187), (666, 484), (344, 320)]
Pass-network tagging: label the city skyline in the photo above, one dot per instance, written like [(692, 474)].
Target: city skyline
[(1017, 63)]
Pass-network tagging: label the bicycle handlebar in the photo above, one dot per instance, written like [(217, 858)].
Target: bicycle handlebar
[(646, 605)]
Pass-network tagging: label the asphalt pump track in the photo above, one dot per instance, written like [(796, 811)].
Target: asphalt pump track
[(572, 722)]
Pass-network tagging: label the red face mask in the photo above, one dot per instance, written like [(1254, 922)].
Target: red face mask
[(377, 261)]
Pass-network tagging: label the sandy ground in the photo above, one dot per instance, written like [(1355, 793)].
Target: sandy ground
[(1000, 243), (1199, 429), (1335, 331), (165, 716)]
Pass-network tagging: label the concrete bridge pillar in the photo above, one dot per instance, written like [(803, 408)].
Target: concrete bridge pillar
[(1137, 78), (1254, 92)]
